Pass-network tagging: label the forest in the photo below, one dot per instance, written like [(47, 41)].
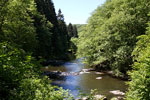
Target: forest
[(31, 33), (116, 37)]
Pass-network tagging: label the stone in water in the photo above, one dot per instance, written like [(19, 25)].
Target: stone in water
[(99, 78), (117, 92)]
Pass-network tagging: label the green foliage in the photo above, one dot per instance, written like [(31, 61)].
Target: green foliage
[(64, 38), (20, 80), (91, 96), (58, 42), (44, 37), (140, 77), (75, 31), (30, 28), (33, 26), (39, 89), (17, 25), (46, 7), (72, 31), (3, 8), (110, 35), (80, 27), (73, 45), (15, 65)]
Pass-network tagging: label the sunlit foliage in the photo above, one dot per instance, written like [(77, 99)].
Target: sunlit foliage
[(140, 77), (110, 36)]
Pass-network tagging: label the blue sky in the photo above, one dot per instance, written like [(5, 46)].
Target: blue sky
[(77, 11)]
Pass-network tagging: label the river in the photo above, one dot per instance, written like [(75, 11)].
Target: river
[(105, 84)]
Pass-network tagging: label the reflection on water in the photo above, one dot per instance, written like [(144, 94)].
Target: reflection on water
[(85, 82)]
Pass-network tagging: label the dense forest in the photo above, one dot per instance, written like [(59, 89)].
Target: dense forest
[(116, 38), (31, 33)]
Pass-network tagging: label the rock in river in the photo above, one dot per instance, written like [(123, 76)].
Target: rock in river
[(117, 92), (99, 78)]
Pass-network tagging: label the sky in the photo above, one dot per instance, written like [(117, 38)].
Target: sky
[(77, 11)]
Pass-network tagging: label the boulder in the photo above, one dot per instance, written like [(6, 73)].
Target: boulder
[(117, 92)]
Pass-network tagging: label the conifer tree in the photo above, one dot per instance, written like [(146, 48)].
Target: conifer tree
[(60, 16), (75, 31), (46, 7), (70, 30), (44, 37), (63, 32)]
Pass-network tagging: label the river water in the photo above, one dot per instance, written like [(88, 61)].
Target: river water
[(87, 81)]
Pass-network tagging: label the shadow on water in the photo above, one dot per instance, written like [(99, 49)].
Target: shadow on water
[(87, 81)]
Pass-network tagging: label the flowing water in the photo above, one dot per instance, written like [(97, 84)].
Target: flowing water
[(87, 81)]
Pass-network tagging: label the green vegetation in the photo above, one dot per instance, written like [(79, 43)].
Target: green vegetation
[(72, 31), (139, 86), (16, 23), (110, 35), (80, 27), (117, 38), (20, 80), (34, 29), (30, 31), (55, 39)]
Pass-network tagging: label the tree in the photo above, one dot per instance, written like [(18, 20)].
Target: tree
[(75, 31), (60, 16), (16, 24), (20, 77), (44, 37), (59, 33), (140, 75), (25, 32), (63, 32), (15, 66), (70, 30), (110, 35), (3, 11), (46, 7)]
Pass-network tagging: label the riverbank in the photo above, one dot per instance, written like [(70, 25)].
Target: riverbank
[(112, 74), (107, 70), (75, 76), (60, 74)]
